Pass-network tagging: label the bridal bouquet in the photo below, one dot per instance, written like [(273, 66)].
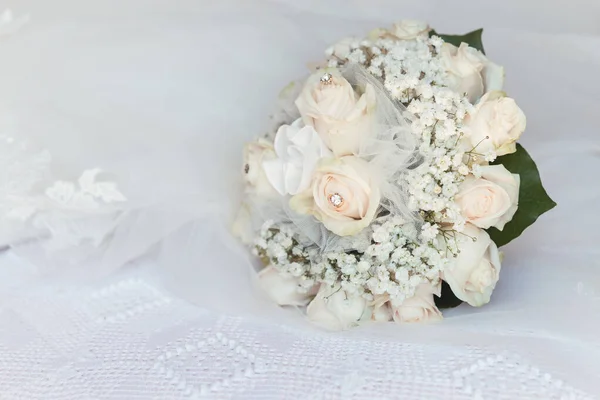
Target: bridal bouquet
[(391, 178)]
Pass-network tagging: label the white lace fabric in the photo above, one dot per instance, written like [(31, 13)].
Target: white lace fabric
[(161, 96), (129, 339)]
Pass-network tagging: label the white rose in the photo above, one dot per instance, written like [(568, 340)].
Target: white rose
[(419, 308), (255, 153), (381, 311), (378, 33), (409, 29), (473, 274), (491, 200), (334, 309), (470, 71), (282, 289), (495, 124), (342, 195), (337, 113), (343, 48), (299, 148)]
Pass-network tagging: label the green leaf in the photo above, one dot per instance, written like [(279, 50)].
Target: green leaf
[(473, 39), (447, 298), (533, 199)]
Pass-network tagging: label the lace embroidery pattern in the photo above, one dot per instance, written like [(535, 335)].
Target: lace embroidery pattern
[(62, 212), (129, 339)]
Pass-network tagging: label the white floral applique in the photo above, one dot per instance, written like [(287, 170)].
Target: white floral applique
[(62, 213), (82, 212), (89, 194)]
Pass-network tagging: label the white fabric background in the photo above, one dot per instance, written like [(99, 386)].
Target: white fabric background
[(166, 92)]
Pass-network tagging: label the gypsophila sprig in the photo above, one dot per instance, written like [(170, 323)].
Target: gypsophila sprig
[(277, 246), (398, 260)]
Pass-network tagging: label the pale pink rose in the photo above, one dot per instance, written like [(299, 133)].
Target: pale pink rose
[(332, 308), (343, 48), (470, 71), (495, 124), (256, 185), (381, 310), (409, 29), (491, 200), (342, 195), (340, 116), (283, 289), (473, 274), (255, 154), (419, 308), (378, 33)]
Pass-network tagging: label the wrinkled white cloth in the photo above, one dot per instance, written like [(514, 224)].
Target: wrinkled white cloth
[(162, 96)]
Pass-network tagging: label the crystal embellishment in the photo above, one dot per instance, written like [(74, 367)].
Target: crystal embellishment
[(326, 78), (336, 200)]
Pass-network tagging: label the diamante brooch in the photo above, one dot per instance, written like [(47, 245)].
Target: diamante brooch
[(336, 200), (326, 78)]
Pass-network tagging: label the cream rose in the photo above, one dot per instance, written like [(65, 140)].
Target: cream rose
[(378, 33), (470, 71), (473, 274), (282, 289), (299, 148), (419, 308), (490, 200), (409, 29), (495, 124), (255, 154), (342, 195), (332, 308), (342, 117), (381, 311), (343, 48)]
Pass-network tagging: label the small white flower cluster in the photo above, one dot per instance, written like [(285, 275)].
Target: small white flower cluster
[(399, 258), (415, 75), (278, 247)]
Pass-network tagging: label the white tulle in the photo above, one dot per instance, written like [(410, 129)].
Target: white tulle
[(391, 148)]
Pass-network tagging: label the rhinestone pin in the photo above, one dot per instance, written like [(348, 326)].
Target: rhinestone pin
[(336, 200), (326, 78)]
